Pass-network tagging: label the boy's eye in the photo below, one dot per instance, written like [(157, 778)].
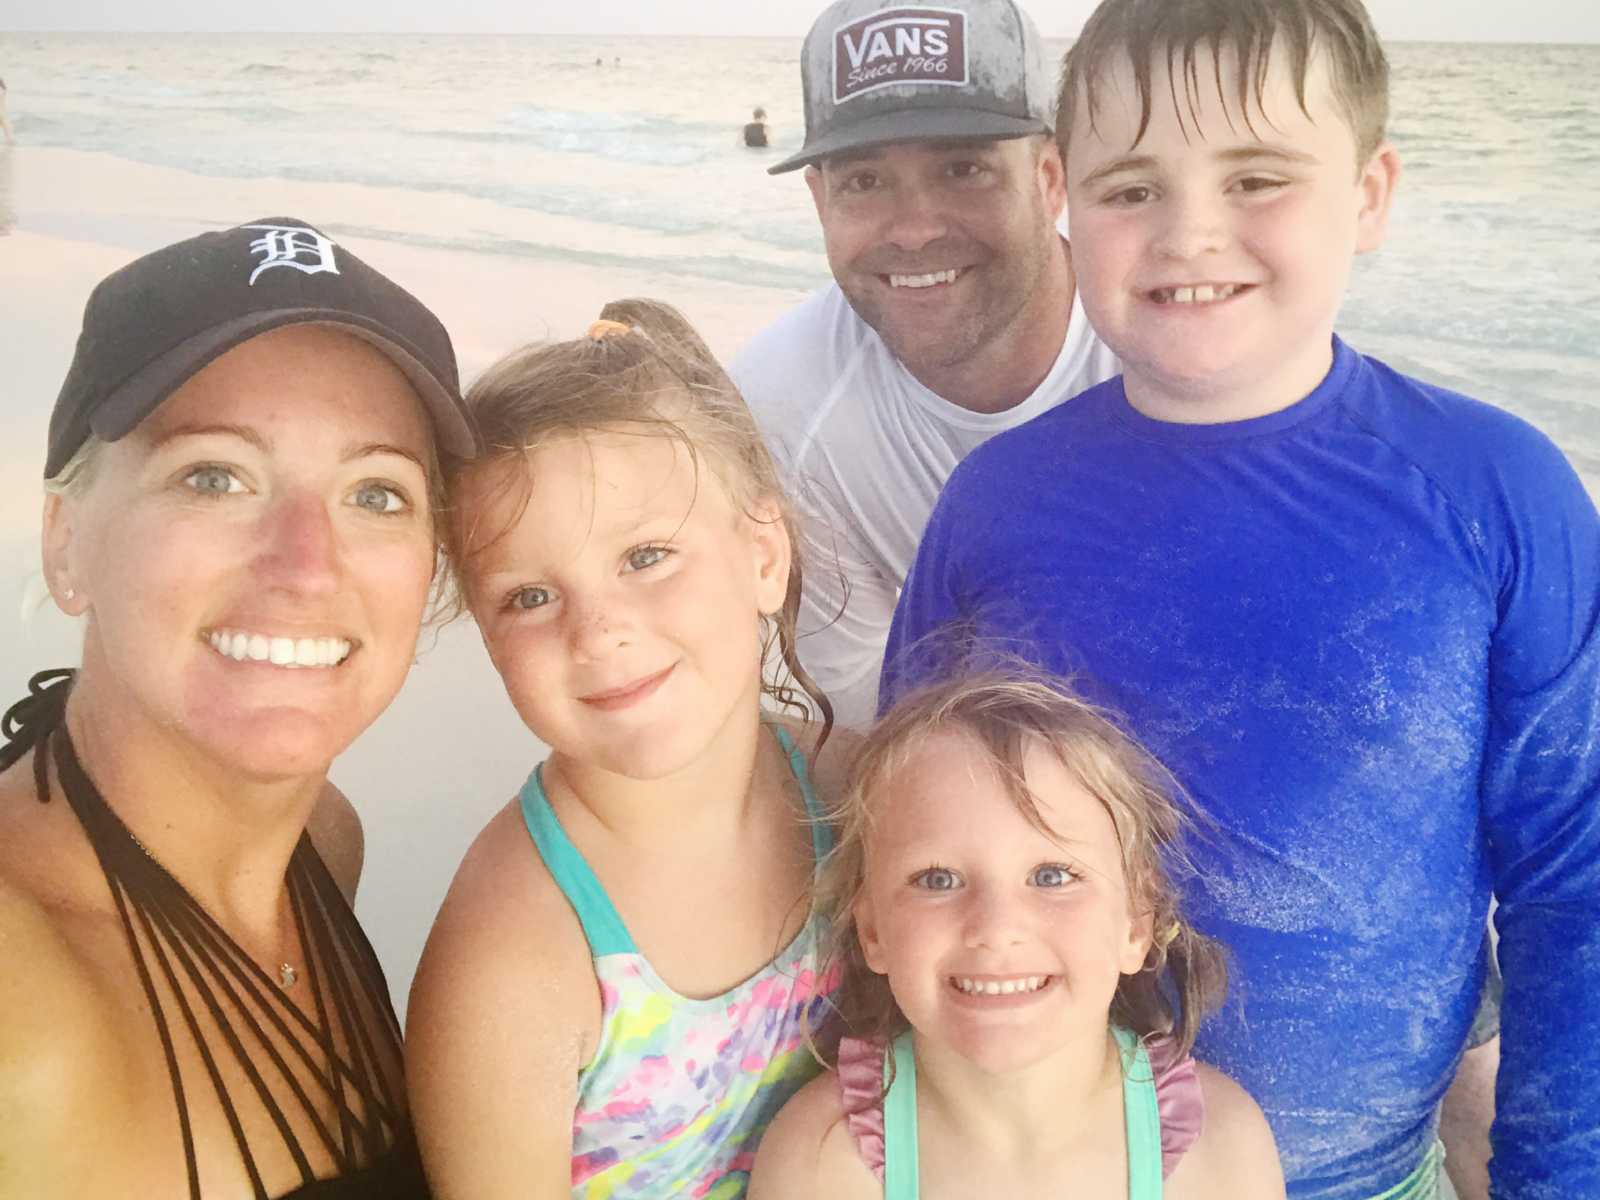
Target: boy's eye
[(213, 481), (936, 879), (1136, 193), (378, 497), (1259, 183), (528, 597), (641, 557), (1052, 875)]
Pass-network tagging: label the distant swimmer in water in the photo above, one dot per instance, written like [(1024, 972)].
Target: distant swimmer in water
[(755, 132), (5, 124)]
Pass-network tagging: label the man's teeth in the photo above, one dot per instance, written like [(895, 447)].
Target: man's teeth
[(1000, 987), (279, 651), (1203, 293), (922, 281)]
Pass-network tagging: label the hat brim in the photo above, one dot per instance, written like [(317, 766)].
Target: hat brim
[(144, 391), (911, 125)]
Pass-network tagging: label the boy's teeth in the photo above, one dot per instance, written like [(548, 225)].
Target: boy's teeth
[(1203, 293), (922, 281), (1000, 987), (280, 651)]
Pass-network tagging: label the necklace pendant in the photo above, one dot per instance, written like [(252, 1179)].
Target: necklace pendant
[(287, 975)]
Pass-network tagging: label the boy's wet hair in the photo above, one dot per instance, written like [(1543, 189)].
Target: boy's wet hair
[(641, 369), (1249, 32), (1004, 706)]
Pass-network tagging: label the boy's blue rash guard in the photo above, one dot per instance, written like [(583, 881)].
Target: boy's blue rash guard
[(1364, 632)]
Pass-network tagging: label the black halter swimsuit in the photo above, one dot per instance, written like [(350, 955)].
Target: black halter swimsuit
[(345, 1062)]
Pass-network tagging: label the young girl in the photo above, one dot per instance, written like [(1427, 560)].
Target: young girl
[(613, 999), (1026, 991)]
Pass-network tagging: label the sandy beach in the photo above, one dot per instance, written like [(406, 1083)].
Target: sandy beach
[(450, 750)]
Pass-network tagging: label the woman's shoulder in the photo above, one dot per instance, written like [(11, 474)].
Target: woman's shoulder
[(61, 1036), (1235, 1157)]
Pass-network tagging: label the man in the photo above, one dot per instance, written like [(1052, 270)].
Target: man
[(954, 312)]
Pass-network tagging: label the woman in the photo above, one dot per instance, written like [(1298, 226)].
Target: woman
[(240, 479)]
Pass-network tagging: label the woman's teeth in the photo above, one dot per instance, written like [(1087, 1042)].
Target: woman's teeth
[(922, 281), (279, 651), (1203, 293), (999, 987)]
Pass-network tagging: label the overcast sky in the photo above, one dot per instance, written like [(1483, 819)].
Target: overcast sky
[(1426, 20)]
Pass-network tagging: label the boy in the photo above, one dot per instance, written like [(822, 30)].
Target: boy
[(1358, 616)]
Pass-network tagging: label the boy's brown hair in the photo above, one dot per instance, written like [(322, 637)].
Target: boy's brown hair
[(1247, 31)]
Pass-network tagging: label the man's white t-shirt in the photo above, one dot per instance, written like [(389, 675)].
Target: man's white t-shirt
[(864, 449)]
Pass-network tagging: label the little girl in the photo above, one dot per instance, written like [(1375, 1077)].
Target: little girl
[(1024, 987), (613, 999)]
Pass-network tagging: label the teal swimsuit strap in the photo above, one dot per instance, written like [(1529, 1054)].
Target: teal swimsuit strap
[(1139, 1107), (602, 924), (901, 1179), (821, 831), (1142, 1115)]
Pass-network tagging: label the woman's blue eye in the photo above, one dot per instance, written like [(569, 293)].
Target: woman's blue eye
[(379, 498), (213, 481)]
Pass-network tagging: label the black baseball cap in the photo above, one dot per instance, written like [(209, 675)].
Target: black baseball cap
[(153, 324), (881, 71)]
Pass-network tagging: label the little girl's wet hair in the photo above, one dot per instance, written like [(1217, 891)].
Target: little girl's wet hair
[(641, 368), (1003, 708)]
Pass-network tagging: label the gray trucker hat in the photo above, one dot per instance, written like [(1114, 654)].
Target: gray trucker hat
[(875, 73)]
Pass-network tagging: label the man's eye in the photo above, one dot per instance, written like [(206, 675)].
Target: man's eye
[(965, 169), (213, 481), (859, 181), (936, 879), (646, 556), (1052, 875), (379, 498), (528, 597)]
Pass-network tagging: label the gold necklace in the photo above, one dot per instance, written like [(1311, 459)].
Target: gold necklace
[(287, 974)]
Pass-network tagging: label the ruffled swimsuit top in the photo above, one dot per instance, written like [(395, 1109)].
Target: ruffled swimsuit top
[(1161, 1097)]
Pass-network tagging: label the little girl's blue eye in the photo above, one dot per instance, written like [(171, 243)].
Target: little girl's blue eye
[(646, 556), (1051, 875), (528, 597), (935, 879)]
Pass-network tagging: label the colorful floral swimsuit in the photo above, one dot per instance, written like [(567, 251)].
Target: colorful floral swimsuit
[(680, 1090)]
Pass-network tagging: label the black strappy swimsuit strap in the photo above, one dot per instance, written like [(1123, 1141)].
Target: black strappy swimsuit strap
[(341, 1053)]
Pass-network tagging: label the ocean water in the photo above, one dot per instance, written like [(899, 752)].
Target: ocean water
[(1489, 282)]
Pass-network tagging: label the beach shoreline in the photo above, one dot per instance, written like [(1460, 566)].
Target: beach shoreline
[(450, 750)]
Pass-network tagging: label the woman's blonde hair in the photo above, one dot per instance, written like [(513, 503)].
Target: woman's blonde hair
[(641, 367), (1005, 708)]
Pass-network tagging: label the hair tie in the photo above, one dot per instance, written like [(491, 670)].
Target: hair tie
[(1165, 937), (605, 327)]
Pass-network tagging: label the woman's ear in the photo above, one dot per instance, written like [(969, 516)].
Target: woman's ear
[(57, 546), (771, 555)]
